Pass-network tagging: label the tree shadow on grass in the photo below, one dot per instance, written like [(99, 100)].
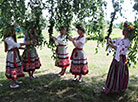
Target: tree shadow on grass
[(51, 88), (130, 95)]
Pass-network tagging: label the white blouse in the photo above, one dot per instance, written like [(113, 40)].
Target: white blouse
[(62, 40), (11, 43), (122, 47), (82, 40)]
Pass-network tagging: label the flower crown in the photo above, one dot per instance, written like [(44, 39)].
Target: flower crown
[(131, 30), (128, 27)]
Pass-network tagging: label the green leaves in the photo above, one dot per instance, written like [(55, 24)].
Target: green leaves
[(11, 12), (132, 56), (62, 12), (66, 13)]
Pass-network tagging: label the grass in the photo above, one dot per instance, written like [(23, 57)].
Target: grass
[(48, 87)]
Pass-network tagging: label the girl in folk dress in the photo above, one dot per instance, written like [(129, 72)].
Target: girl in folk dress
[(61, 51), (14, 68), (31, 60), (79, 64), (118, 75)]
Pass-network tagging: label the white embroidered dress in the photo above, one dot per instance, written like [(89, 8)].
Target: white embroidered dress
[(31, 60), (14, 67), (61, 52), (118, 75), (122, 47), (79, 64)]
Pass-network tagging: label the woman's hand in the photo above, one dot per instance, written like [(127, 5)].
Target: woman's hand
[(108, 41), (71, 39), (34, 40), (30, 42), (53, 37), (27, 43)]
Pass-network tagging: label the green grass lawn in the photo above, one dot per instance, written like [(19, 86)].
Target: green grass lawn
[(48, 87)]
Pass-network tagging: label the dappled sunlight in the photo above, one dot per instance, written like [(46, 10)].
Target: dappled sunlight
[(50, 86)]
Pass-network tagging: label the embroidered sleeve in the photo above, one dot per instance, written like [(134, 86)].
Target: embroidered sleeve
[(122, 48), (114, 42)]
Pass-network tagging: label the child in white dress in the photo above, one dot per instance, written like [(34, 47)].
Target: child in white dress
[(14, 68), (79, 64), (31, 60), (62, 60)]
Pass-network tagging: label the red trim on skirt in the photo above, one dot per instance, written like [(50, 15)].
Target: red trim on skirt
[(27, 67), (75, 53), (14, 73), (19, 76), (62, 63), (79, 69)]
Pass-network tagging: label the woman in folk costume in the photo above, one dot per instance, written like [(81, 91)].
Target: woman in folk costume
[(31, 60), (79, 64), (61, 51), (14, 69), (118, 75)]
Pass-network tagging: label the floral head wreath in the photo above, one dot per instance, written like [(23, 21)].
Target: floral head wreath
[(128, 27), (131, 30)]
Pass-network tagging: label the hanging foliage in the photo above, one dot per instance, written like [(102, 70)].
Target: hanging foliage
[(51, 10), (67, 12), (35, 21), (113, 14), (64, 14), (11, 11), (132, 55), (133, 36), (90, 13)]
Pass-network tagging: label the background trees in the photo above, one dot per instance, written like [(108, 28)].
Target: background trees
[(90, 13)]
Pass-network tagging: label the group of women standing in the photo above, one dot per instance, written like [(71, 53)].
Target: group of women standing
[(16, 65), (79, 64), (118, 75)]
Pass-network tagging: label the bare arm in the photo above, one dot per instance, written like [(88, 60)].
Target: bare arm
[(53, 37), (74, 43), (26, 43)]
